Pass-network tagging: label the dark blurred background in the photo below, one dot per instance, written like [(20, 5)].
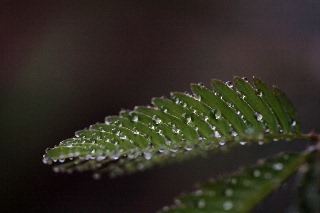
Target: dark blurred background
[(65, 65)]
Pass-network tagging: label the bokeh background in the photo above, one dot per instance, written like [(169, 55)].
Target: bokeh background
[(67, 64)]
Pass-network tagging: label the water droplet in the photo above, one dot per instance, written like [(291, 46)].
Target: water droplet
[(258, 116), (222, 143), (47, 160), (242, 143), (188, 148), (198, 192), (168, 142), (189, 120), (156, 119), (96, 176), (177, 101), (147, 155), (135, 118), (115, 157), (229, 84), (277, 166), (56, 169), (256, 173), (228, 205), (206, 118), (228, 192), (293, 123), (100, 158), (124, 137), (217, 114), (201, 84), (259, 93), (234, 133), (197, 97), (217, 134), (177, 131), (233, 181), (187, 93), (151, 126), (61, 160), (245, 78), (165, 208), (201, 203), (177, 202), (174, 149)]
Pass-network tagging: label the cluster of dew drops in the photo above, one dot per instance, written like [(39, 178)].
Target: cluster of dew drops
[(233, 181), (217, 115)]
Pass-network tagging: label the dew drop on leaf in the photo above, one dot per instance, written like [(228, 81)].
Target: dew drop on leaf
[(201, 203), (234, 181), (259, 117), (100, 158), (229, 84), (147, 155), (197, 97), (56, 169), (177, 101), (156, 119), (294, 123), (96, 176), (188, 148), (245, 78), (217, 134), (242, 143), (228, 205), (188, 120), (228, 192), (199, 192), (222, 143), (177, 202), (217, 114), (135, 118), (259, 93), (256, 173), (277, 166)]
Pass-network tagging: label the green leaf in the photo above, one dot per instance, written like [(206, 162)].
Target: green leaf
[(309, 186), (242, 191), (183, 126)]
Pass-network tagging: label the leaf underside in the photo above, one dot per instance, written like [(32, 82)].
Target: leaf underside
[(242, 191), (185, 125)]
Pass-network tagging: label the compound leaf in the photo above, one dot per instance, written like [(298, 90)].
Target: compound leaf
[(242, 191), (183, 126)]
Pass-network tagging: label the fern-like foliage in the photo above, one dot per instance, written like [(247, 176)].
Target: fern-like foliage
[(242, 191), (187, 124)]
